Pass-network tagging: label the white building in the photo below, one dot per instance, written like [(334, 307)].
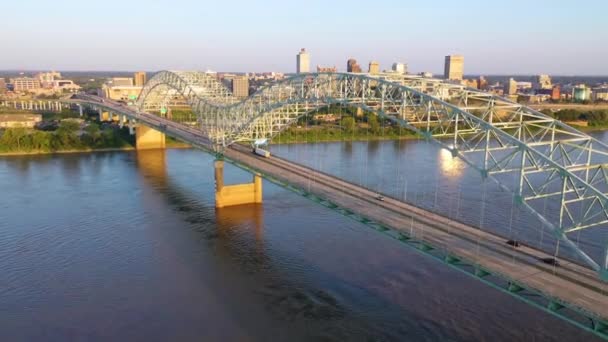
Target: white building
[(302, 61), (400, 68)]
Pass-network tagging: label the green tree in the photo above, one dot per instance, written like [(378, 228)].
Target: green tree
[(348, 124), (374, 125), (93, 133), (66, 136), (41, 141)]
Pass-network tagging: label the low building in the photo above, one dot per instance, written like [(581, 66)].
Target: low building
[(25, 84), (19, 120), (121, 89), (121, 93), (326, 69), (120, 81), (65, 85), (471, 83), (482, 83), (600, 93)]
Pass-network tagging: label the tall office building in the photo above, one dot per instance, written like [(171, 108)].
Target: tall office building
[(2, 86), (140, 78), (374, 68), (543, 82), (240, 86), (511, 88), (454, 67), (302, 61), (400, 68), (352, 66)]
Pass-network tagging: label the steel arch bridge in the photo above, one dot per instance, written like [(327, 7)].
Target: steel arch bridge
[(537, 158)]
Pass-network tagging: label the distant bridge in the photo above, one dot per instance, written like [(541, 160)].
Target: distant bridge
[(554, 171)]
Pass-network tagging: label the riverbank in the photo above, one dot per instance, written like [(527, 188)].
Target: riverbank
[(349, 139), (172, 145)]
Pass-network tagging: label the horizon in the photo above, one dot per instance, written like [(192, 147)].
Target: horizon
[(466, 75), (187, 35)]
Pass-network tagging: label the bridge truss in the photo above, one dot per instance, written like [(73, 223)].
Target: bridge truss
[(553, 170)]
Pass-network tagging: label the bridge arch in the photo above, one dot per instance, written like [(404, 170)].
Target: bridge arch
[(525, 152)]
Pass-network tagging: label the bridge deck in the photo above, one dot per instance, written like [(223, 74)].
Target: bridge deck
[(568, 283), (571, 284)]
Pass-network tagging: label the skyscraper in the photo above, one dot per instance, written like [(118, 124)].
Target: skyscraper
[(140, 78), (400, 68), (454, 67), (302, 61), (511, 88), (352, 66), (240, 86), (374, 68), (543, 82)]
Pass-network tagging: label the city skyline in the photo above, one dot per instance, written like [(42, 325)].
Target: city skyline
[(184, 35)]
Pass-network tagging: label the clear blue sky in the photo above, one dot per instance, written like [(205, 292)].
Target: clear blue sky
[(496, 37)]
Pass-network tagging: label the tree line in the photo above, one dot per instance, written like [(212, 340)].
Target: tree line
[(68, 136)]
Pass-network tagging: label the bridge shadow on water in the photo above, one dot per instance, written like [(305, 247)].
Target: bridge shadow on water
[(296, 291)]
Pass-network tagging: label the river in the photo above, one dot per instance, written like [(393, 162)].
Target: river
[(128, 246)]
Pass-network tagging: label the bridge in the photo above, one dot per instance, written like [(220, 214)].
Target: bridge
[(553, 171)]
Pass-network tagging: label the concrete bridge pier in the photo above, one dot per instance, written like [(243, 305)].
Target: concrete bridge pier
[(147, 138), (229, 195)]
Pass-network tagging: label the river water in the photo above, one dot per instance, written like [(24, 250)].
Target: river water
[(129, 246)]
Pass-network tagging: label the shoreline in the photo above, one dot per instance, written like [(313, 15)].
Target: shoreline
[(404, 137), (90, 150), (584, 129)]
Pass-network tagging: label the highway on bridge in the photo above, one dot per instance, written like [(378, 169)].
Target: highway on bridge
[(484, 255)]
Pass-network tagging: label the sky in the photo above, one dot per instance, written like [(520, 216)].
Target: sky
[(517, 37)]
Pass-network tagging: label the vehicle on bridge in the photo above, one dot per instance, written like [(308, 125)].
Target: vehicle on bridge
[(261, 152)]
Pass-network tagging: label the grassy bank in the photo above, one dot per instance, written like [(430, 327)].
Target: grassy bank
[(324, 134)]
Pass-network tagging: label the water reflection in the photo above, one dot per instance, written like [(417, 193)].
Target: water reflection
[(153, 166), (451, 167)]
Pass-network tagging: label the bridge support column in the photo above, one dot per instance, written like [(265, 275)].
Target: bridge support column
[(229, 195), (147, 138)]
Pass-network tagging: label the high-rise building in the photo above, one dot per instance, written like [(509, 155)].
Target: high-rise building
[(302, 61), (2, 86), (400, 68), (352, 66), (543, 82), (240, 86), (25, 83), (140, 78), (454, 67), (511, 88), (581, 93), (556, 93), (374, 68)]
